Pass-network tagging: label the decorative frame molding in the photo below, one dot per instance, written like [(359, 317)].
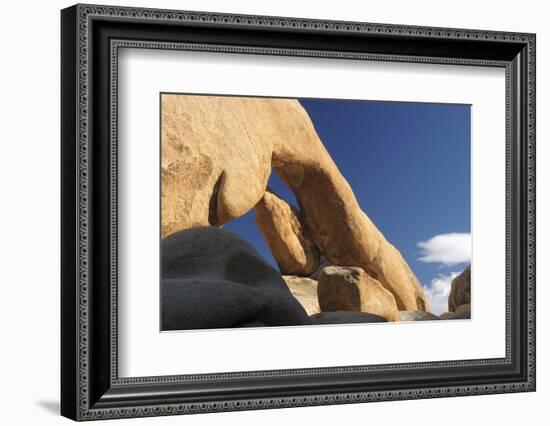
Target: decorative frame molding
[(91, 388)]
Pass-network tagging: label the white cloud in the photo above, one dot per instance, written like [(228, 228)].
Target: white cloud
[(449, 249), (438, 292)]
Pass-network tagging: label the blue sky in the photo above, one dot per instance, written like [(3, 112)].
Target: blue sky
[(409, 167)]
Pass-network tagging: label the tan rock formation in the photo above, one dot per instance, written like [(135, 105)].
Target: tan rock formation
[(305, 291), (460, 290), (217, 155), (287, 238), (351, 289), (216, 159), (461, 312)]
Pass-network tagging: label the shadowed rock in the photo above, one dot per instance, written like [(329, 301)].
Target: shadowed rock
[(460, 290), (211, 278), (462, 312), (217, 155), (345, 317), (323, 263)]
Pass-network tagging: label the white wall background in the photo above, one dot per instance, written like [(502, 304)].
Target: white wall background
[(29, 213)]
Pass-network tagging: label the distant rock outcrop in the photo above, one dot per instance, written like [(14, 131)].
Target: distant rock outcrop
[(211, 278), (217, 155), (305, 291), (287, 238), (460, 290), (462, 312), (351, 289)]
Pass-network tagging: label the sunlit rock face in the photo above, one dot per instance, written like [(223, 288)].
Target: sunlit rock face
[(286, 236)]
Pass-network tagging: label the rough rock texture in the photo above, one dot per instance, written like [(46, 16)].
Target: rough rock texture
[(417, 316), (304, 291), (345, 317), (211, 278), (214, 147), (287, 238), (216, 159), (460, 290), (351, 289), (323, 263), (461, 312)]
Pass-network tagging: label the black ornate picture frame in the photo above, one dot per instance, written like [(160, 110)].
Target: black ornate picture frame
[(90, 385)]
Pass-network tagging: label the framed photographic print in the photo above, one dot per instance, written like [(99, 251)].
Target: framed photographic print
[(263, 212)]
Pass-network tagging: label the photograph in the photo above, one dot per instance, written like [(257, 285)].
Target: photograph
[(285, 211), (266, 209)]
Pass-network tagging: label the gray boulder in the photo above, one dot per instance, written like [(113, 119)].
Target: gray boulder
[(212, 278)]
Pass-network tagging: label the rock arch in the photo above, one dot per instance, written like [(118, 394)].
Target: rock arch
[(217, 155)]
